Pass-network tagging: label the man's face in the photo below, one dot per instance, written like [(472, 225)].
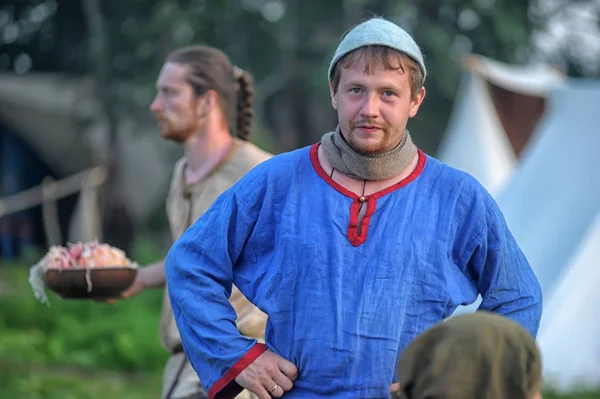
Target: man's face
[(176, 106), (373, 109)]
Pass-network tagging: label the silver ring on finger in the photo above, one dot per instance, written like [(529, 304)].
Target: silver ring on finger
[(274, 388)]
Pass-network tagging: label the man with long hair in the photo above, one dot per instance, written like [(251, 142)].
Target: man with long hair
[(199, 92)]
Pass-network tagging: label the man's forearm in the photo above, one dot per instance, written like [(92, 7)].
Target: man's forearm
[(154, 275)]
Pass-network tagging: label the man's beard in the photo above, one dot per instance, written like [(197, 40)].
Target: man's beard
[(384, 144), (177, 135)]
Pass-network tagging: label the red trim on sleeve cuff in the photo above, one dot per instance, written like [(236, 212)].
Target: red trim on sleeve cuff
[(226, 387)]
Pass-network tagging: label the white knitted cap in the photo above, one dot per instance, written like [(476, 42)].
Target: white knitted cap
[(378, 31)]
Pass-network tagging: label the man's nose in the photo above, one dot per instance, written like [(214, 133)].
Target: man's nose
[(370, 108), (156, 105)]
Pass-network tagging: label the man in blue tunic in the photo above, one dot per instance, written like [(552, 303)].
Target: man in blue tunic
[(352, 246)]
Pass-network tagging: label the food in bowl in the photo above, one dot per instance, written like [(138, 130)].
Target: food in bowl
[(83, 270), (87, 255)]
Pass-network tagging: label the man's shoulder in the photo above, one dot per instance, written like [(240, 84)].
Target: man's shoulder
[(250, 154), (240, 161), (284, 162), (449, 176), (277, 169), (455, 186), (272, 176)]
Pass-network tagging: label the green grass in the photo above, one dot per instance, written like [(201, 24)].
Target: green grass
[(78, 349), (574, 395), (122, 336), (26, 382)]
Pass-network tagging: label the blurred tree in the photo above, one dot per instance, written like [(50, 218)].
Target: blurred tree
[(447, 30), (568, 34), (116, 221), (40, 35)]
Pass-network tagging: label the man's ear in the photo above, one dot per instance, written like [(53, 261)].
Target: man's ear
[(206, 102), (333, 95), (416, 102)]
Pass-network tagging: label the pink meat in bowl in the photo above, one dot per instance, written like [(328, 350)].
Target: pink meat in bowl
[(88, 271)]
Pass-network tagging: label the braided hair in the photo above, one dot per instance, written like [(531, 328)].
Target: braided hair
[(245, 113)]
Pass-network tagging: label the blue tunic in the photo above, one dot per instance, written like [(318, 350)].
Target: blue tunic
[(342, 301)]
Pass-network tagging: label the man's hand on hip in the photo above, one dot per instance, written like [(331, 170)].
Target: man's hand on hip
[(268, 376)]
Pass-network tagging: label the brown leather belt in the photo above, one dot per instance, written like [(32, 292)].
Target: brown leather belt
[(177, 350)]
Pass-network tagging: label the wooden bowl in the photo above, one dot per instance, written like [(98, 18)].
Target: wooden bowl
[(93, 283)]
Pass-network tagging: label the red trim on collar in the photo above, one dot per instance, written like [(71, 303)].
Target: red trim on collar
[(353, 234)]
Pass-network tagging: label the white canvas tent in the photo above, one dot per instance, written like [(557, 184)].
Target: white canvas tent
[(555, 195), (476, 140), (552, 206), (569, 336)]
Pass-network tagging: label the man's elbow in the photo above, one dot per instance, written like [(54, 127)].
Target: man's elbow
[(530, 314), (524, 308), (537, 308), (172, 263)]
